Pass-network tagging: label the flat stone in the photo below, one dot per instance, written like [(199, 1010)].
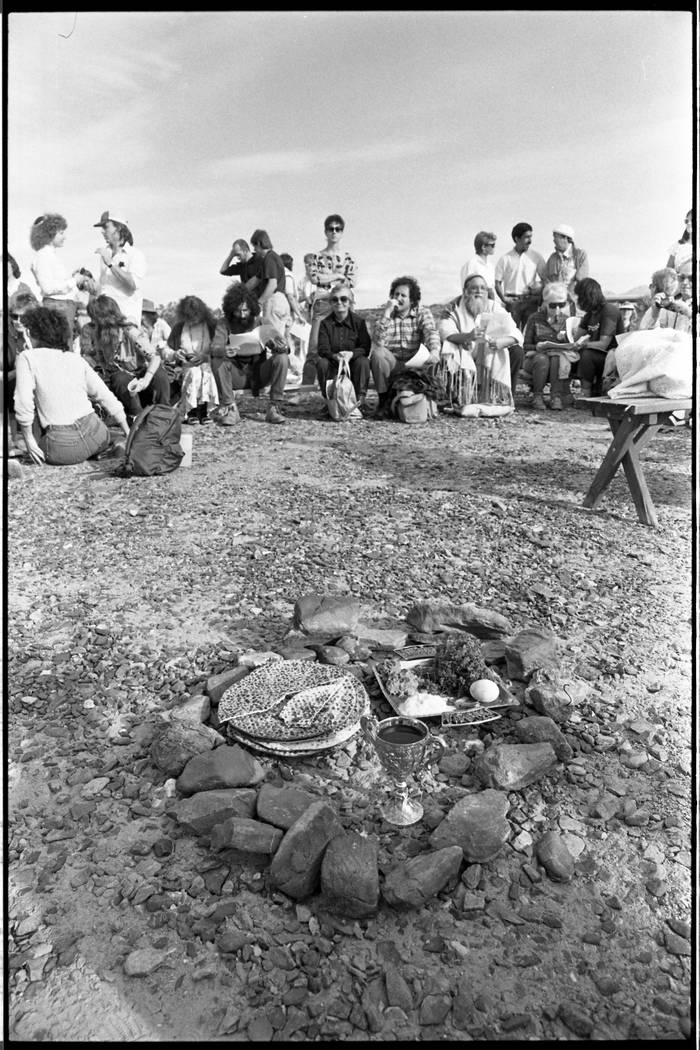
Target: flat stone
[(536, 729), (253, 658), (477, 824), (549, 701), (175, 744), (575, 1019), (282, 806), (249, 836), (381, 637), (350, 876), (144, 961), (201, 812), (333, 655), (398, 992), (225, 767), (413, 882), (554, 856), (437, 614), (217, 684), (296, 866), (327, 615), (196, 710), (514, 766), (529, 650)]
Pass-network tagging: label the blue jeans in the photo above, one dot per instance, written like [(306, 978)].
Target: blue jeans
[(74, 442)]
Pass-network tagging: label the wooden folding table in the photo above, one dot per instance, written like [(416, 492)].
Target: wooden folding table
[(633, 422)]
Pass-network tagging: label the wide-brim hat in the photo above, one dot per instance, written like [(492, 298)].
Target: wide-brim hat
[(111, 216), (148, 307)]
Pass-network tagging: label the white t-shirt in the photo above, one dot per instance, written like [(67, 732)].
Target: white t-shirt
[(520, 272), (58, 387), (131, 261), (478, 265), (51, 275)]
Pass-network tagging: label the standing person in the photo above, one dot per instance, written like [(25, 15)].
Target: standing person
[(190, 340), (59, 290), (398, 333), (290, 287), (343, 330), (482, 262), (122, 267), (241, 262), (680, 256), (307, 287), (53, 392), (519, 274), (567, 264), (243, 364), (596, 333), (156, 328), (328, 266), (133, 370), (270, 285)]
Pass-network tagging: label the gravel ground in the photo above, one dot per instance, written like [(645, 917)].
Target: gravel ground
[(124, 596)]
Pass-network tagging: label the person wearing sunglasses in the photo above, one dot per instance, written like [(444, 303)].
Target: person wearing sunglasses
[(548, 353), (567, 264), (327, 267), (343, 330), (398, 332), (482, 262)]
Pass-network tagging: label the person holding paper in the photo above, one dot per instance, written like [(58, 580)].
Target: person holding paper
[(398, 333), (239, 356), (481, 350)]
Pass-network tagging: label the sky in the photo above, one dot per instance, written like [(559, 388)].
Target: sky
[(419, 128)]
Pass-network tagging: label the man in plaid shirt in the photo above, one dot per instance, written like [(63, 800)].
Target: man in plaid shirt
[(398, 333)]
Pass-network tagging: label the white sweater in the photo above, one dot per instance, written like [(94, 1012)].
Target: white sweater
[(58, 386)]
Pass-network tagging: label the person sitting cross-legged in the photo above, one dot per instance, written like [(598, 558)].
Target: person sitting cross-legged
[(189, 343), (548, 354), (343, 330), (398, 333), (240, 364)]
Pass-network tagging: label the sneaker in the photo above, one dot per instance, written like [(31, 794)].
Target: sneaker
[(538, 403), (555, 403), (229, 416), (274, 415)]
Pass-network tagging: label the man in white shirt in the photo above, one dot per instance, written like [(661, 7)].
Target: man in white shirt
[(519, 276), (122, 267), (482, 262)]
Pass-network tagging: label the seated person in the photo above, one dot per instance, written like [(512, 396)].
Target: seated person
[(52, 395), (398, 333), (482, 340), (156, 328), (189, 343), (668, 308), (16, 342), (343, 330), (596, 333), (132, 369), (247, 367), (548, 355)]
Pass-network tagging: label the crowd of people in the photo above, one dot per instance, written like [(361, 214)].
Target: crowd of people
[(94, 340)]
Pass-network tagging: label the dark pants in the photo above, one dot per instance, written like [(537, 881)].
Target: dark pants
[(156, 393), (359, 373), (250, 373), (523, 308), (74, 442), (591, 365), (515, 353)]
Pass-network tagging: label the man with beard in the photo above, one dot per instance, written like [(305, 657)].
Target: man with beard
[(482, 339)]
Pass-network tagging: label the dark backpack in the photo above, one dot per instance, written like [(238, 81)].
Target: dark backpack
[(153, 444)]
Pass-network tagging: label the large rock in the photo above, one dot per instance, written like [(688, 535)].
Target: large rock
[(248, 836), (174, 745), (217, 684), (350, 876), (529, 650), (549, 700), (227, 767), (412, 883), (537, 729), (201, 812), (196, 710), (553, 854), (514, 766), (282, 806), (436, 614), (476, 823), (327, 614), (296, 865)]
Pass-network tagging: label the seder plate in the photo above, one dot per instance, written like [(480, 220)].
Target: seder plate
[(452, 710)]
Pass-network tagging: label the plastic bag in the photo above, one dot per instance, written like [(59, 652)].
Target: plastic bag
[(654, 362), (341, 396)]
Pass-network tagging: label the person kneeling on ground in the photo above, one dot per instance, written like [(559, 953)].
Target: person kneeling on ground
[(132, 368), (343, 330), (52, 395), (548, 355), (398, 333), (241, 364)]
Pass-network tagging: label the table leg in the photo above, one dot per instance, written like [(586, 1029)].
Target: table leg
[(632, 466), (630, 435)]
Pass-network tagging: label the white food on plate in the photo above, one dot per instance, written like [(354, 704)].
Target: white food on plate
[(424, 704)]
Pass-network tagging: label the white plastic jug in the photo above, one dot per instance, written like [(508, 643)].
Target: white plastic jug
[(186, 446)]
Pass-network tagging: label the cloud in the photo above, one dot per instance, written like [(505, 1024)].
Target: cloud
[(300, 162)]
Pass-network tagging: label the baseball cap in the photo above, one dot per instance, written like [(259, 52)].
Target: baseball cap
[(567, 231), (111, 216)]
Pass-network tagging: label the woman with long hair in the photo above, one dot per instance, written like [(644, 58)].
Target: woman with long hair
[(59, 290), (190, 340), (53, 392), (596, 333), (133, 370)]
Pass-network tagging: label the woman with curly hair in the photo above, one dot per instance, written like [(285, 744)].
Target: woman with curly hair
[(59, 290), (190, 341), (242, 364), (596, 333), (52, 395), (398, 333), (133, 370)]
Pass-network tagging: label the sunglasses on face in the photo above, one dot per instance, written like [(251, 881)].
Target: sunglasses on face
[(334, 229), (340, 299), (554, 306), (16, 317)]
